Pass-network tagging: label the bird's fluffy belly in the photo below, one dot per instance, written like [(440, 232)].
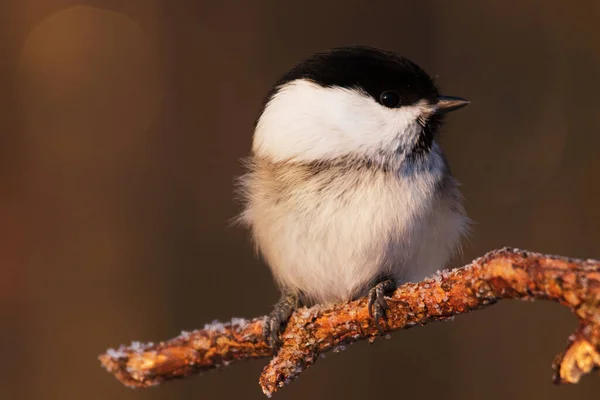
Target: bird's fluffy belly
[(331, 236)]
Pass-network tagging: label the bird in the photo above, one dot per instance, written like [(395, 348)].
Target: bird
[(346, 192)]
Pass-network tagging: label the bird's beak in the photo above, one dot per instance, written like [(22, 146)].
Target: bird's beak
[(449, 103)]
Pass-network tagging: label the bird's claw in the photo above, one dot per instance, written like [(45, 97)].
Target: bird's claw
[(377, 304), (277, 319)]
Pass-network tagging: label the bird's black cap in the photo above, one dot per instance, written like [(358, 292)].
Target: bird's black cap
[(369, 69)]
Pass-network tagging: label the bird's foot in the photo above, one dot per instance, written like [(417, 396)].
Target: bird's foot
[(278, 318), (377, 304)]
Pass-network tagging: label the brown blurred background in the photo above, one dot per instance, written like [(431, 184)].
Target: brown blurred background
[(122, 126)]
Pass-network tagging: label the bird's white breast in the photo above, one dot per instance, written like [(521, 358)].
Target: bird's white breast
[(330, 231)]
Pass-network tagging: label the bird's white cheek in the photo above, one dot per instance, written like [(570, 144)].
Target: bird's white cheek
[(370, 129), (306, 122)]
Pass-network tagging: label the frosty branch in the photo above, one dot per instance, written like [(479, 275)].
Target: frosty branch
[(500, 274)]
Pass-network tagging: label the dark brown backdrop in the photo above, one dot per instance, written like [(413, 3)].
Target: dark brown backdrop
[(123, 123)]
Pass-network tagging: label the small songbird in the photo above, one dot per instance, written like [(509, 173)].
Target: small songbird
[(347, 193)]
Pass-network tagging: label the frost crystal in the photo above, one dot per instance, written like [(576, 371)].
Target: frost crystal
[(339, 348), (116, 354), (239, 322), (139, 347), (185, 335), (215, 326)]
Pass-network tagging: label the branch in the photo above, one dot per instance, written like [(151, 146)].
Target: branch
[(500, 274)]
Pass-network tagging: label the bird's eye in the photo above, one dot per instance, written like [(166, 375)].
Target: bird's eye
[(390, 99)]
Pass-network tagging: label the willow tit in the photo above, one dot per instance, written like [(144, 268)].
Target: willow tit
[(347, 193)]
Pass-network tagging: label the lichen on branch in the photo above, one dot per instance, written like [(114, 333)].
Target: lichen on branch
[(500, 274)]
